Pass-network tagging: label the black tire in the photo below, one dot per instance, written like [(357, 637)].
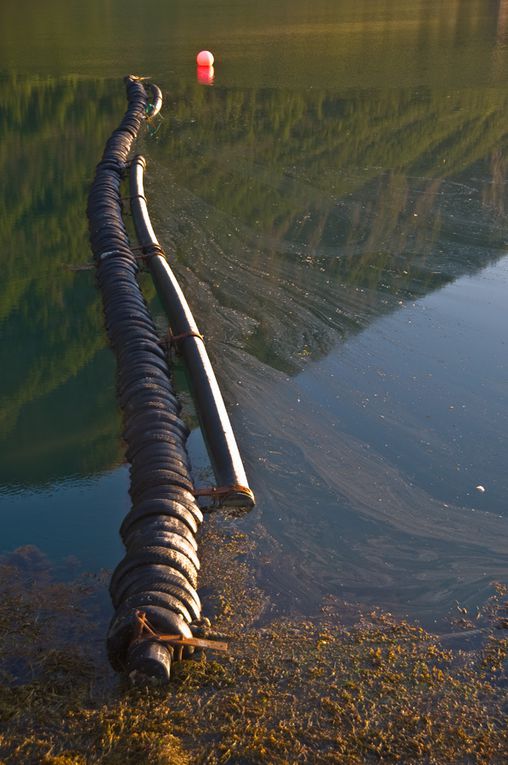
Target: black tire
[(160, 507), (160, 599), (164, 539), (154, 577), (160, 524), (155, 555), (123, 629)]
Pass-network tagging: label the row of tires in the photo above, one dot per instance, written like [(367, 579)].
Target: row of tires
[(159, 572)]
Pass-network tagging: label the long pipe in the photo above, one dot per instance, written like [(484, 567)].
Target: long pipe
[(232, 487)]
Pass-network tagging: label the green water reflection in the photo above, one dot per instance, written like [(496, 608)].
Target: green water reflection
[(348, 161), (341, 204), (57, 412), (359, 43)]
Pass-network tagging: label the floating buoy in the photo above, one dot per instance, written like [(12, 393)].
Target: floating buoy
[(204, 58)]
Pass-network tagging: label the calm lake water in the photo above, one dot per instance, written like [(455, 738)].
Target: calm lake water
[(336, 200)]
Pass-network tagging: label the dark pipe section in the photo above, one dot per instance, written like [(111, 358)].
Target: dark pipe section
[(227, 463), (158, 574), (155, 104)]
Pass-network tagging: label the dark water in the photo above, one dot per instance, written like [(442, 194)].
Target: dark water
[(337, 207)]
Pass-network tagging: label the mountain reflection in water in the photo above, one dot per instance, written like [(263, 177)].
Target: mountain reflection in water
[(309, 229), (293, 255)]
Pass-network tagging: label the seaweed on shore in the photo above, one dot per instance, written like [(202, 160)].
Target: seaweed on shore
[(320, 690)]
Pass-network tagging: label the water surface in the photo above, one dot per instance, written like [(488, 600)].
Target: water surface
[(336, 209)]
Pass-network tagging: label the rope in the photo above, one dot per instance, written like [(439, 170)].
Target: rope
[(134, 196), (175, 339), (156, 249), (223, 491), (145, 631), (171, 342), (152, 249), (85, 267)]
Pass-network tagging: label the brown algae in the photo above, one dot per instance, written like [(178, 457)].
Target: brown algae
[(291, 690)]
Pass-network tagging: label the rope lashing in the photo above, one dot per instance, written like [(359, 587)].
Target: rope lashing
[(134, 196), (151, 249), (222, 492), (144, 631), (175, 340), (171, 343)]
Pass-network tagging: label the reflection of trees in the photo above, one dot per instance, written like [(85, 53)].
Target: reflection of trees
[(306, 213), (494, 193), (51, 134), (326, 209), (323, 139), (72, 430)]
